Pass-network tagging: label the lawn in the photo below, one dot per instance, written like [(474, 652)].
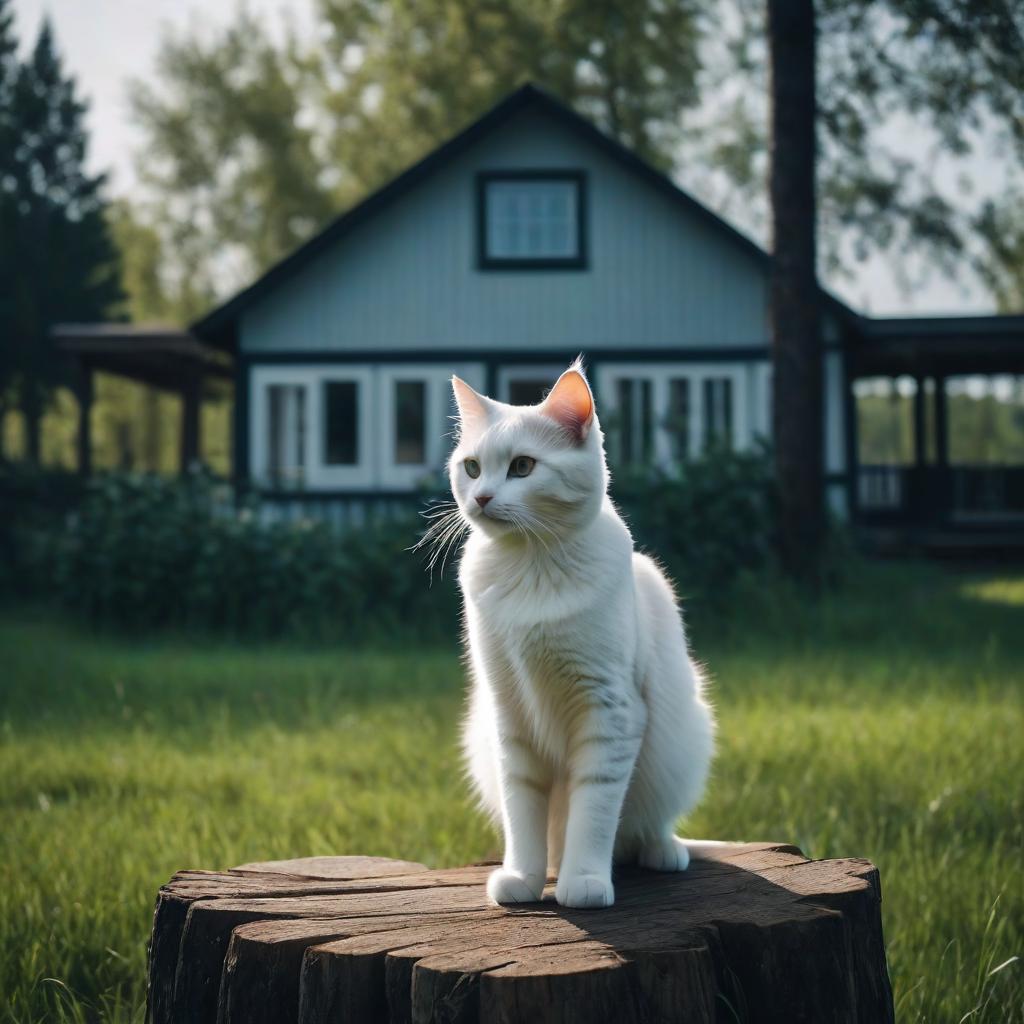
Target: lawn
[(884, 720)]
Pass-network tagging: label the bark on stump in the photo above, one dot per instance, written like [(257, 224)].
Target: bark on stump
[(753, 932)]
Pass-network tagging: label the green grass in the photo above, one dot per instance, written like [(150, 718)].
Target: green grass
[(884, 721)]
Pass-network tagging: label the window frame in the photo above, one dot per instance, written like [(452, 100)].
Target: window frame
[(487, 262), (302, 430), (319, 475), (437, 442), (660, 374), (376, 468)]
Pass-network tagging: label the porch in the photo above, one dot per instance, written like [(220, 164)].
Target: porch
[(940, 488), (163, 357)]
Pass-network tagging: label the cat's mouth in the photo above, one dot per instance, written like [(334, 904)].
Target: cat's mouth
[(492, 517)]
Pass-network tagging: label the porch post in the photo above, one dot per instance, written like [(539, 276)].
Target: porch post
[(190, 396), (84, 394), (920, 446), (941, 428)]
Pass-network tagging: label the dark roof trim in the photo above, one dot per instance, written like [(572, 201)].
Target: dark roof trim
[(953, 328), (217, 326)]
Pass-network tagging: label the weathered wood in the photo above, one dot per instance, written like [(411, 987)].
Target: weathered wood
[(752, 932)]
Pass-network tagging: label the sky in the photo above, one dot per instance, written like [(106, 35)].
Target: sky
[(106, 43)]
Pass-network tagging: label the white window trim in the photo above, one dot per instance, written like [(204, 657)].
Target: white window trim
[(375, 468), (762, 400), (321, 475), (659, 374), (438, 426), (318, 475)]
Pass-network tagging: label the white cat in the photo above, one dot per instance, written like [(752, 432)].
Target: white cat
[(587, 734)]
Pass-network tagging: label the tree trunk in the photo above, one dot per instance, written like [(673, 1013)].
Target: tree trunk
[(751, 931), (798, 423)]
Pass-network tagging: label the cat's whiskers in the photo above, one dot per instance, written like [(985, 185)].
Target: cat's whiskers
[(452, 537), (445, 528), (443, 533)]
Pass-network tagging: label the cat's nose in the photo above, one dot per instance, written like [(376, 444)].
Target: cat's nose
[(482, 499)]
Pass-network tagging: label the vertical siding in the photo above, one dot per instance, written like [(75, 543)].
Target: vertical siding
[(659, 275)]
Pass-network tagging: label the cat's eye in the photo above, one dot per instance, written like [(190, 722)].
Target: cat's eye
[(522, 465), (472, 468)]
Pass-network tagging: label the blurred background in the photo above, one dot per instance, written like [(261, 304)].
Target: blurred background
[(244, 245)]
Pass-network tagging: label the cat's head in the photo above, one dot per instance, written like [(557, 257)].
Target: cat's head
[(533, 471)]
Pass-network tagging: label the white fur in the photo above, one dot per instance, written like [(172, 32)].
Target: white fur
[(587, 734)]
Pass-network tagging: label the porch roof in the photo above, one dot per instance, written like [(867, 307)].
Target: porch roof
[(938, 345), (160, 355)]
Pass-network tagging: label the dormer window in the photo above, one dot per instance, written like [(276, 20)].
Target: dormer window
[(531, 220)]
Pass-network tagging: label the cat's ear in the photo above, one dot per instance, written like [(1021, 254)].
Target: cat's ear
[(570, 402), (474, 409)]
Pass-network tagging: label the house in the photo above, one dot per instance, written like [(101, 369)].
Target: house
[(526, 239)]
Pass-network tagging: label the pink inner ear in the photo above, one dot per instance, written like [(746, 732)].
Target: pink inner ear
[(571, 404)]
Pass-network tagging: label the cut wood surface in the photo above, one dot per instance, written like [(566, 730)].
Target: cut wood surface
[(751, 932)]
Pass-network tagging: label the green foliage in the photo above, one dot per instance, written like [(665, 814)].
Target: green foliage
[(150, 552), (1001, 262), (984, 429), (153, 292), (33, 505), (713, 520), (879, 721), (252, 145), (951, 69), (145, 552), (57, 260), (229, 162), (434, 66)]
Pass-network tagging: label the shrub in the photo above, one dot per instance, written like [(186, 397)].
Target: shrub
[(712, 520), (33, 501), (144, 552)]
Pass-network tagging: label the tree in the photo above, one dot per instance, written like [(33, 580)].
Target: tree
[(940, 69), (794, 307), (1001, 261), (152, 292), (252, 145), (230, 165), (8, 74), (898, 55), (427, 67), (57, 260)]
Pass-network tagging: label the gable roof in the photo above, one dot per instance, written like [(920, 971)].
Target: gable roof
[(218, 325)]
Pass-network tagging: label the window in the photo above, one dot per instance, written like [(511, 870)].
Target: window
[(326, 427), (414, 419), (531, 219), (410, 411), (286, 432), (528, 392), (341, 422), (678, 423), (526, 383), (718, 411), (659, 414), (635, 426)]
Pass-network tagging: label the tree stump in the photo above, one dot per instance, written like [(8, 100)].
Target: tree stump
[(752, 932)]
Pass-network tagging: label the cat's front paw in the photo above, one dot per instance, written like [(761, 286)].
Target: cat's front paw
[(505, 886), (585, 891), (669, 854)]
